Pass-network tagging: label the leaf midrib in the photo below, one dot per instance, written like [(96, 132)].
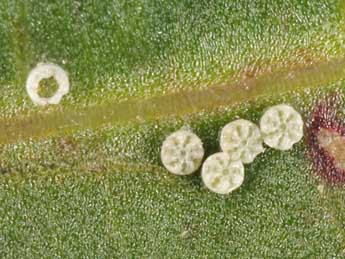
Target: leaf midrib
[(43, 123)]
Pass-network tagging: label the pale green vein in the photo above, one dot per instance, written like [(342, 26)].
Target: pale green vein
[(60, 120)]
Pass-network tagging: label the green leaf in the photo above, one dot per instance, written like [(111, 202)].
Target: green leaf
[(83, 179)]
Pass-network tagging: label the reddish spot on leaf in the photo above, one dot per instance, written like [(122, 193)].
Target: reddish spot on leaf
[(326, 141)]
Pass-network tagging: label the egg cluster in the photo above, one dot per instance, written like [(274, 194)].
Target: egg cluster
[(241, 141)]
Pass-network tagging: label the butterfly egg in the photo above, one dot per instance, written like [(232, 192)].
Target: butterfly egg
[(241, 139), (45, 71), (281, 127), (222, 175), (182, 152)]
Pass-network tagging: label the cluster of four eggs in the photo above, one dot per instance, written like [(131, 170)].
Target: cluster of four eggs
[(241, 141)]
